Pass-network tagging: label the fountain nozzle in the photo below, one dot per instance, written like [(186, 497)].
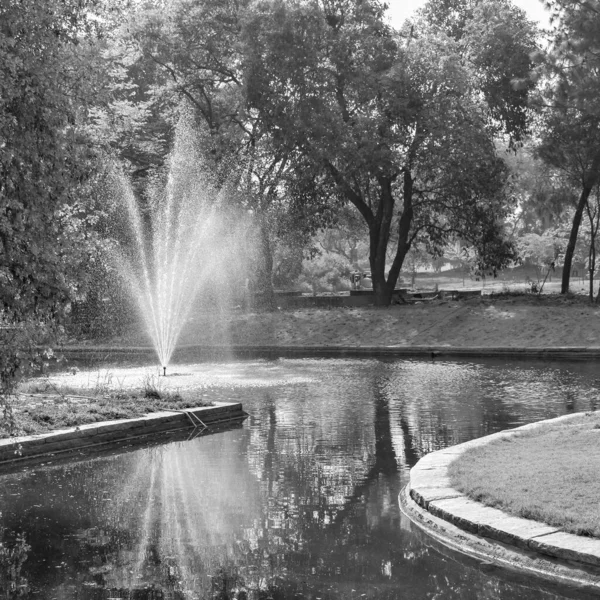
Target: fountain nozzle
[(164, 371)]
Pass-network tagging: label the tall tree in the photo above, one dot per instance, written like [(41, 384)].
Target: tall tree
[(497, 40), (193, 49), (397, 126), (43, 157), (46, 162), (570, 105)]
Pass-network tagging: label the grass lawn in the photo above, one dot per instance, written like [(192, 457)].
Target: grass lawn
[(40, 406), (551, 475)]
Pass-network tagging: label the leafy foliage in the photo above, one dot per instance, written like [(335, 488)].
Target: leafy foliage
[(498, 41), (46, 164), (191, 52), (570, 109), (386, 124), (13, 554), (42, 157)]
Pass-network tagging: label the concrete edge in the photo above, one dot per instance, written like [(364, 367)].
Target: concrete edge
[(560, 352), (525, 566), (431, 500), (87, 436)]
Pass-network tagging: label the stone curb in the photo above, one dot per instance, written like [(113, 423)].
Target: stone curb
[(430, 490), (526, 567), (541, 352), (96, 434)]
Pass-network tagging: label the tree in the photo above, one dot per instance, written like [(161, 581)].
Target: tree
[(417, 257), (395, 126), (543, 195), (570, 107), (592, 208), (463, 257), (569, 145), (346, 237), (41, 161), (130, 119), (497, 40), (46, 162), (541, 251), (325, 272), (193, 49)]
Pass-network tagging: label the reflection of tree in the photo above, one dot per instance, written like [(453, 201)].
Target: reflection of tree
[(13, 584), (435, 404), (302, 500), (331, 482), (385, 466), (56, 508)]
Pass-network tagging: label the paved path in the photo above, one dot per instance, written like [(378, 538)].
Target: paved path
[(491, 534)]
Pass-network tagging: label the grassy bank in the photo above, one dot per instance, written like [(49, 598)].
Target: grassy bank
[(520, 321), (549, 474), (41, 405)]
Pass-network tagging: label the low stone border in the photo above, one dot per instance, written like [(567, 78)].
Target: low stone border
[(215, 352), (97, 434), (432, 503)]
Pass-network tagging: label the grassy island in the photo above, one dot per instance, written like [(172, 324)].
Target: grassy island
[(548, 474), (43, 404)]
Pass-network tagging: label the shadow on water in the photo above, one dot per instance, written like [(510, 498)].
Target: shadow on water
[(299, 502)]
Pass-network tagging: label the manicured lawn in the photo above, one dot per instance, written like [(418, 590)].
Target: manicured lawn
[(551, 475)]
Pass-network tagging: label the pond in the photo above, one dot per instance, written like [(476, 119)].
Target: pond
[(300, 502)]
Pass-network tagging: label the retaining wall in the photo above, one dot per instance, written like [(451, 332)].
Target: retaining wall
[(197, 352), (97, 434), (490, 534)]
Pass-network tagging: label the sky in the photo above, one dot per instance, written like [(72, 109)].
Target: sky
[(400, 9)]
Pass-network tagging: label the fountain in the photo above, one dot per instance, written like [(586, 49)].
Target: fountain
[(181, 243)]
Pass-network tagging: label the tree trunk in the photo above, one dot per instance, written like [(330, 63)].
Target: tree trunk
[(594, 225), (379, 230), (379, 235), (592, 263), (566, 276), (590, 179), (384, 297), (264, 295)]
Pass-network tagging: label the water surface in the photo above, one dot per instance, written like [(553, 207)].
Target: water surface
[(301, 502)]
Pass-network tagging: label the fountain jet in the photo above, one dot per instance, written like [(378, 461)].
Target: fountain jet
[(179, 244)]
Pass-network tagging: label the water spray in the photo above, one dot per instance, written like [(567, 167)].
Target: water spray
[(176, 245), (164, 371)]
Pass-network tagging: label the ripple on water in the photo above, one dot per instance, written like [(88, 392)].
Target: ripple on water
[(300, 502)]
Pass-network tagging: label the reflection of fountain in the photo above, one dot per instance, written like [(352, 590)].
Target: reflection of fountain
[(192, 503), (182, 243)]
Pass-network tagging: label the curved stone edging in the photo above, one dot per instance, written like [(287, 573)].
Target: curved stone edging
[(491, 534), (541, 352), (527, 567), (106, 432)]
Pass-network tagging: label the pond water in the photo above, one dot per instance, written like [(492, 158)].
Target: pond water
[(300, 502)]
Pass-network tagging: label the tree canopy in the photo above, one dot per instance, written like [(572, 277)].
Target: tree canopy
[(43, 158), (395, 125), (312, 106), (569, 106)]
